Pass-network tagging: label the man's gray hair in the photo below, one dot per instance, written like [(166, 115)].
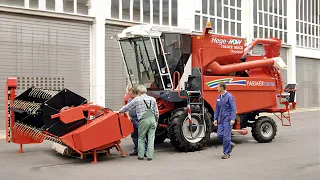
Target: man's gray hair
[(142, 89)]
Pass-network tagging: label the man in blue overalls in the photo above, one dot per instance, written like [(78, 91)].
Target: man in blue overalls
[(224, 117)]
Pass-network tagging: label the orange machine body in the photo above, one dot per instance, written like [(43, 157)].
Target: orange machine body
[(186, 72), (12, 134), (218, 56), (105, 129)]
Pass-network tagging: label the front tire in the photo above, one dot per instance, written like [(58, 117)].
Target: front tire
[(180, 135), (264, 129)]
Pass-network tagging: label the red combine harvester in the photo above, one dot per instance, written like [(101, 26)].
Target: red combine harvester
[(76, 128), (182, 72)]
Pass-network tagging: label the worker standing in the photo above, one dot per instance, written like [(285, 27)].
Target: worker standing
[(134, 119), (132, 92), (224, 117), (148, 114)]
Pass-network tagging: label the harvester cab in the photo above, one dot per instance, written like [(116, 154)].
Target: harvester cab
[(182, 71)]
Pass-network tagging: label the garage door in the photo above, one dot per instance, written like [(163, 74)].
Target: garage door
[(308, 82), (115, 70), (258, 50), (44, 52)]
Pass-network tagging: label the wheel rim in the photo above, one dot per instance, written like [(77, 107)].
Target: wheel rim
[(266, 130), (197, 133)]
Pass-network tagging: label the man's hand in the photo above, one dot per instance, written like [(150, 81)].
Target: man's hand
[(215, 122), (232, 122)]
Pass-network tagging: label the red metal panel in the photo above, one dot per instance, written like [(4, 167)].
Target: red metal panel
[(126, 125), (250, 93), (103, 130), (70, 115)]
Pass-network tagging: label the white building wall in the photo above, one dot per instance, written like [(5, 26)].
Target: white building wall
[(291, 61), (297, 24)]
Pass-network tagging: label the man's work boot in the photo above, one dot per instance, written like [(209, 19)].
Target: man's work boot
[(232, 146), (225, 156), (134, 154)]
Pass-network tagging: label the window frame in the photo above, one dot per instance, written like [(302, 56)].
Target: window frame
[(220, 18)]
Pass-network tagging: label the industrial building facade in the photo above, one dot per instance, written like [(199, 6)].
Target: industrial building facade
[(71, 43)]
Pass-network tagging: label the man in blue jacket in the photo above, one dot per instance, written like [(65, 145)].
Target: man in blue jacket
[(224, 117)]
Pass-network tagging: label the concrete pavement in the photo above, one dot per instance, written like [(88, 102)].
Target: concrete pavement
[(3, 135), (294, 154)]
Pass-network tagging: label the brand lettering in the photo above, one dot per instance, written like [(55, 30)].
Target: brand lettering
[(235, 41), (260, 83), (224, 41), (236, 51), (218, 41), (255, 83)]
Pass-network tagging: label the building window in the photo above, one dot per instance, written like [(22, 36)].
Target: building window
[(224, 15), (308, 23), (115, 9), (146, 11), (156, 12), (136, 10), (15, 3), (174, 12), (126, 10), (270, 19), (165, 12), (159, 12), (34, 4), (74, 6), (67, 6), (50, 5)]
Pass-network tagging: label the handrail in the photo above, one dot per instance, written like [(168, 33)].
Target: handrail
[(174, 80), (202, 74)]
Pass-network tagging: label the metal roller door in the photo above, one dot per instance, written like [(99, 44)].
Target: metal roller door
[(258, 50), (308, 82), (45, 52), (116, 78)]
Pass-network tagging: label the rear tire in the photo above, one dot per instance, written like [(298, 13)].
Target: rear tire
[(179, 134), (264, 129)]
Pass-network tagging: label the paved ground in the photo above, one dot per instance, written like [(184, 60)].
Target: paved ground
[(294, 154)]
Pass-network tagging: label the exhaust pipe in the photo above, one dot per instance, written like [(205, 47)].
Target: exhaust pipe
[(239, 131)]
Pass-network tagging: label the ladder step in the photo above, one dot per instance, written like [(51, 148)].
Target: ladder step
[(194, 92), (196, 103), (165, 74), (198, 114), (196, 125)]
